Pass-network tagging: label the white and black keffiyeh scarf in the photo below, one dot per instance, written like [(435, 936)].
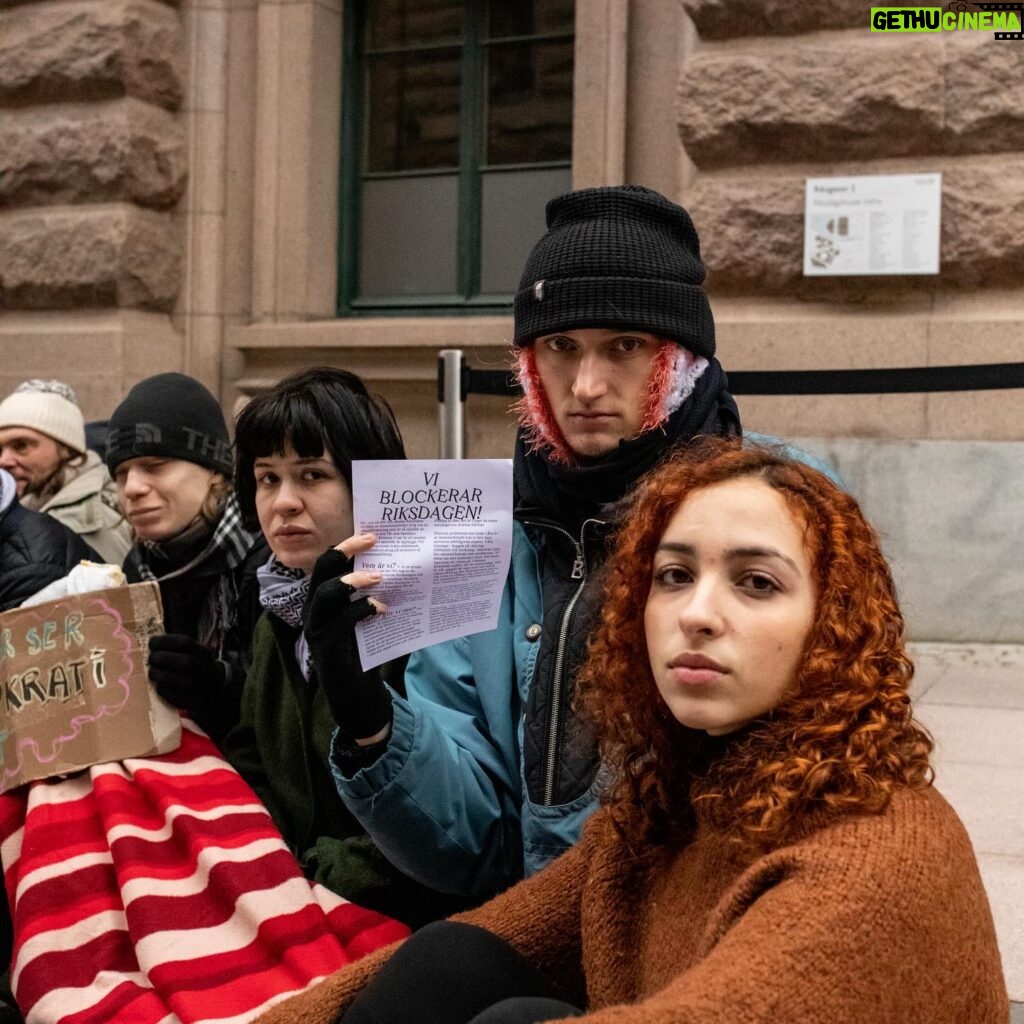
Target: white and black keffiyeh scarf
[(283, 592)]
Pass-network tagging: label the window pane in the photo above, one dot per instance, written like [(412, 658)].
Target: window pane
[(409, 236), (513, 219), (412, 111), (529, 102), (391, 23), (529, 17)]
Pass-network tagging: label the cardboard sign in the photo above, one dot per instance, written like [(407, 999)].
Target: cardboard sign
[(74, 689)]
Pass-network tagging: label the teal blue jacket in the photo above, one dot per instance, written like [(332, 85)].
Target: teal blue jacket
[(446, 802)]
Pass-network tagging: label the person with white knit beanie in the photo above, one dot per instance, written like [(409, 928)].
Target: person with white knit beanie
[(43, 447)]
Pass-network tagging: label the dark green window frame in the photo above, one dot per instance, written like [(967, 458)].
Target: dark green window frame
[(471, 168)]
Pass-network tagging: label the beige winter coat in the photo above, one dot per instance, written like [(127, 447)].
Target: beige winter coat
[(87, 504)]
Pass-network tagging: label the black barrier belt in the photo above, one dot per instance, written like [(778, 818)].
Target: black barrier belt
[(897, 380)]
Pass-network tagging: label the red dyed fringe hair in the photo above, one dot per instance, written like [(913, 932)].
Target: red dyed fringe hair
[(840, 743), (538, 418)]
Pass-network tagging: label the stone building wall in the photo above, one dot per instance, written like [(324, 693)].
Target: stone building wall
[(93, 164), (751, 106), (774, 92)]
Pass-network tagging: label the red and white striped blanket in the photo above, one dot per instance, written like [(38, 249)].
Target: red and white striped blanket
[(158, 891)]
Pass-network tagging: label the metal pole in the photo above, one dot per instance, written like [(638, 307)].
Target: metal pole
[(451, 406)]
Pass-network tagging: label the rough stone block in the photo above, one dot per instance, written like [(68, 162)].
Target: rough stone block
[(102, 152), (24, 3), (785, 102), (89, 256), (752, 231), (984, 93), (725, 19), (90, 49), (858, 96), (982, 209)]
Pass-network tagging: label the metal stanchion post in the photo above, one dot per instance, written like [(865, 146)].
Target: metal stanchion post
[(451, 403)]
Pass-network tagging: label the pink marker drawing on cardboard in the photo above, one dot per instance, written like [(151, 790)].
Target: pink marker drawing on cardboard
[(74, 687)]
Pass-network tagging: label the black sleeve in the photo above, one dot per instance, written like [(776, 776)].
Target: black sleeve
[(130, 567), (76, 550), (17, 585), (35, 550), (236, 650)]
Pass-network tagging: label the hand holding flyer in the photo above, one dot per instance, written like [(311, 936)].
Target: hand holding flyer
[(444, 540)]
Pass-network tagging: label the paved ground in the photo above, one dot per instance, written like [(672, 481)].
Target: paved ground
[(972, 699)]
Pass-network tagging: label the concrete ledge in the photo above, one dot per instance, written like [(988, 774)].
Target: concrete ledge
[(949, 517)]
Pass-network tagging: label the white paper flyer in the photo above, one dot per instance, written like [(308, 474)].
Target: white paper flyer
[(444, 541), (872, 224)]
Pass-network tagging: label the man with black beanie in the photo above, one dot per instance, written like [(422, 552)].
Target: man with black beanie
[(170, 456), (483, 772)]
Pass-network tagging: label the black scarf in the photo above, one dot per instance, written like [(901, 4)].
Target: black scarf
[(157, 558), (573, 493), (195, 570)]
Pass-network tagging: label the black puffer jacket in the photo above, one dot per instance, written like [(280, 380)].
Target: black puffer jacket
[(35, 550)]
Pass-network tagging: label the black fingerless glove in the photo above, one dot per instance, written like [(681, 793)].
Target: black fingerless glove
[(359, 701), (186, 674)]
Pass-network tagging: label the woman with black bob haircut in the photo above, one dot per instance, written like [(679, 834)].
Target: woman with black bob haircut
[(295, 445), (314, 411)]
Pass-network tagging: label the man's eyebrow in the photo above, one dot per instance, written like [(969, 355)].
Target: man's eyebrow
[(676, 548)]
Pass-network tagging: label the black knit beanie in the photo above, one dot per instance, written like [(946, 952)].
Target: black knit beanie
[(623, 257), (169, 416)]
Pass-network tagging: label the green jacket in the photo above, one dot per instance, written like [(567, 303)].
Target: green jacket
[(281, 747)]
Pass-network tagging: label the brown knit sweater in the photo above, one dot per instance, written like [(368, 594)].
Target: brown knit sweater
[(877, 919)]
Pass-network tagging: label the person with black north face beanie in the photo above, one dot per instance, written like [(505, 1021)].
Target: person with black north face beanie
[(169, 453), (483, 772)]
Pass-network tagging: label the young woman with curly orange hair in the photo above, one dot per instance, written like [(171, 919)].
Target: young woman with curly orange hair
[(770, 846)]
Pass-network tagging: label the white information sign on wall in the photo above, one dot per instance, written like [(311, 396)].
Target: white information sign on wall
[(444, 541), (872, 224)]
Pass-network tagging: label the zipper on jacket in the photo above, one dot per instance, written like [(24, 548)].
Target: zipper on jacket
[(579, 572)]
